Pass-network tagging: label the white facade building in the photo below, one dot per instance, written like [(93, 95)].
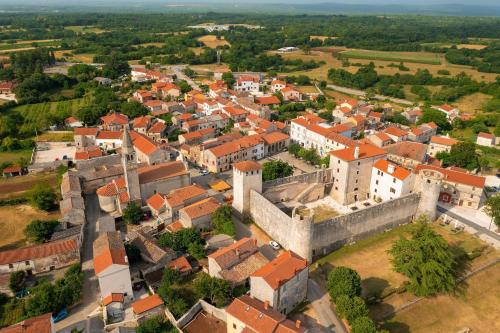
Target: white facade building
[(390, 181)]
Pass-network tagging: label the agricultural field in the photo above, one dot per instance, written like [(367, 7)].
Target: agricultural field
[(56, 136), (86, 58), (13, 156), (212, 41), (13, 220), (370, 258), (14, 187), (209, 68), (82, 29), (326, 55), (24, 45), (473, 103), (38, 113), (414, 57)]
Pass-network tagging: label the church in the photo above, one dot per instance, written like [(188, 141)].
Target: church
[(138, 183)]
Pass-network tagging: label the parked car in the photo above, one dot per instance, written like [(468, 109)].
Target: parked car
[(204, 172), (60, 316), (274, 245)]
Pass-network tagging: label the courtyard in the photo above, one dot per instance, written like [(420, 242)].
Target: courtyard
[(54, 151)]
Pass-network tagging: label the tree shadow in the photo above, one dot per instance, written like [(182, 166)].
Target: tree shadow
[(373, 287), (383, 314)]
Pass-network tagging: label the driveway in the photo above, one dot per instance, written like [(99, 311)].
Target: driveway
[(85, 314), (320, 301)]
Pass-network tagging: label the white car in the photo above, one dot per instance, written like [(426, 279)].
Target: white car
[(274, 245), (204, 172)]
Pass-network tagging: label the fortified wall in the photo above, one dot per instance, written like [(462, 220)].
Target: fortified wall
[(309, 239)]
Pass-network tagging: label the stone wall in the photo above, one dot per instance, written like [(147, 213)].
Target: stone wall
[(98, 162), (320, 176), (332, 234)]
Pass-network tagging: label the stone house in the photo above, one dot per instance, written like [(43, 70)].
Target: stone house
[(148, 307), (247, 315), (380, 139), (407, 153), (236, 262), (41, 258), (157, 132), (351, 172), (282, 282), (111, 266), (114, 122), (390, 181), (85, 136), (199, 214), (440, 144)]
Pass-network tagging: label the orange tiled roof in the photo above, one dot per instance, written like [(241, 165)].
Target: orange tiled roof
[(399, 172), (147, 304), (157, 127), (201, 208), (109, 135), (108, 250), (142, 121), (281, 269), (91, 131), (113, 297), (156, 201), (165, 170), (395, 131), (273, 137), (88, 153), (175, 226), (40, 324), (455, 176), (115, 118), (407, 149), (180, 195), (443, 140), (365, 151), (485, 135), (227, 256), (143, 143), (37, 251), (181, 265)]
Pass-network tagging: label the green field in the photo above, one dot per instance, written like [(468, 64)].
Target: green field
[(13, 156), (41, 113), (21, 45), (84, 29), (415, 57)]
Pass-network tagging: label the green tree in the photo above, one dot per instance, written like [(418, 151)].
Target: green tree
[(363, 325), (17, 281), (294, 149), (42, 196), (40, 231), (82, 72), (492, 208), (133, 109), (156, 324), (343, 281), (229, 79), (222, 220), (426, 259), (197, 250), (133, 253), (463, 154), (114, 67), (436, 116), (351, 307), (180, 240), (216, 291), (132, 214), (276, 169)]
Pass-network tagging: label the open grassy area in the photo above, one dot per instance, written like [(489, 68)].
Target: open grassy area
[(86, 58), (415, 57), (212, 41), (370, 258), (56, 137), (6, 47), (13, 220), (13, 156), (85, 29), (473, 103), (321, 213), (382, 66), (14, 187)]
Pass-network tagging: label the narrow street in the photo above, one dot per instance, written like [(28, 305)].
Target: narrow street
[(320, 301), (85, 316)]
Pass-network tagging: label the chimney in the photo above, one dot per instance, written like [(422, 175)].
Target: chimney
[(266, 305), (390, 168), (298, 323), (356, 152)]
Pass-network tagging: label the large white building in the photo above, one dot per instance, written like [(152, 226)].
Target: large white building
[(247, 83), (390, 181)]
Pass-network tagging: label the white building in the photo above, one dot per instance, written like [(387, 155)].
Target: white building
[(485, 139), (247, 83), (450, 111), (390, 181), (247, 176), (111, 265)]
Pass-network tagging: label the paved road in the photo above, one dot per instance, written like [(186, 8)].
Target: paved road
[(84, 315), (178, 71), (361, 93), (320, 301), (480, 230)]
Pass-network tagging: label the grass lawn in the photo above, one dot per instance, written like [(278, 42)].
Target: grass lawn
[(321, 213), (13, 220), (13, 156), (416, 57), (27, 44), (85, 29), (56, 137), (473, 103), (370, 258)]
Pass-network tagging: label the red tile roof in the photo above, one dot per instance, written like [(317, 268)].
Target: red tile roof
[(365, 151), (13, 169), (181, 265), (485, 135), (175, 226), (201, 208), (181, 195), (156, 201), (407, 149), (395, 131), (141, 122), (115, 118), (281, 269), (443, 140), (259, 317), (165, 170), (109, 135), (143, 143), (108, 250), (147, 304), (273, 137), (227, 256), (246, 166), (454, 176), (87, 153), (90, 131), (38, 251), (399, 172), (157, 127), (40, 324), (114, 297)]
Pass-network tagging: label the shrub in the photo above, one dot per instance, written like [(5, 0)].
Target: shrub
[(351, 307), (343, 281), (42, 196)]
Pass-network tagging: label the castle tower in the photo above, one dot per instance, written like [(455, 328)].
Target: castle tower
[(428, 183), (129, 164), (247, 176), (302, 231)]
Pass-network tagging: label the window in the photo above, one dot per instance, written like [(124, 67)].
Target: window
[(357, 172), (359, 163), (11, 266), (355, 189), (27, 263), (392, 190), (393, 180), (234, 326), (376, 182), (375, 191)]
